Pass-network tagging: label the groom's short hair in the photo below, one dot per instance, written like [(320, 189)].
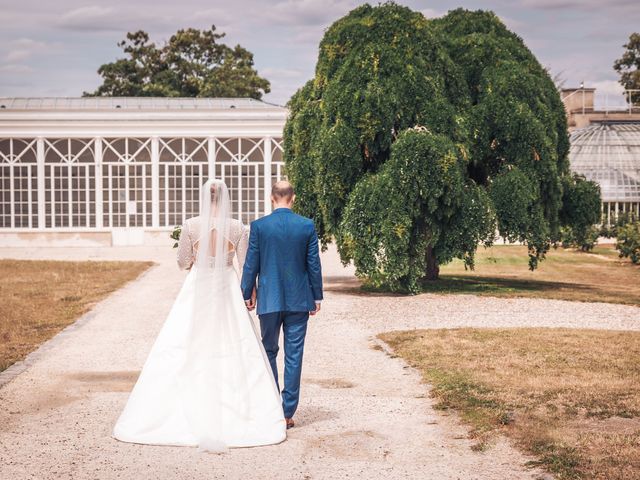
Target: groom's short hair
[(282, 190)]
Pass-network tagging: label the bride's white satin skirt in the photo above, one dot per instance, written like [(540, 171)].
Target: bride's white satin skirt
[(207, 381)]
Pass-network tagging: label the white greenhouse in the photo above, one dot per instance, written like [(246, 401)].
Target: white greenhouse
[(98, 170), (609, 154)]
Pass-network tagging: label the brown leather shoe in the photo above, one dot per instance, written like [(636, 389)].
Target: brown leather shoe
[(290, 423)]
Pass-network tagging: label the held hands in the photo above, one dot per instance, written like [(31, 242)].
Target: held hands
[(251, 303), (316, 310)]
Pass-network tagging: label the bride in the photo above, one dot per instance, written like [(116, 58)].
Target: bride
[(207, 381)]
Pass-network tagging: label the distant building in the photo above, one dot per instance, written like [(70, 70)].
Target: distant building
[(113, 171), (605, 148), (608, 153), (581, 110), (87, 171)]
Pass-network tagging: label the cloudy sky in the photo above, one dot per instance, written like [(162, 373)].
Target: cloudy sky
[(55, 48)]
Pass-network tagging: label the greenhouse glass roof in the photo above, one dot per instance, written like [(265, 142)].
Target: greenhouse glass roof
[(609, 154)]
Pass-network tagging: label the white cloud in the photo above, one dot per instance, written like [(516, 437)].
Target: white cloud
[(308, 35), (270, 72), (620, 9), (282, 92), (551, 4), (307, 12), (580, 5), (217, 16), (97, 18), (23, 48), (15, 69), (17, 55), (431, 13), (86, 18), (27, 43), (609, 93)]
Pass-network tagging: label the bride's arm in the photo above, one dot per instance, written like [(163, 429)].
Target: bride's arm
[(185, 248), (251, 267), (241, 247)]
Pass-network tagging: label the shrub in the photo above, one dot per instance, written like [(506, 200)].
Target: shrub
[(628, 242), (621, 220), (584, 240)]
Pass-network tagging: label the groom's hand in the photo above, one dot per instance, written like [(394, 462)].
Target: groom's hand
[(251, 303), (316, 310)]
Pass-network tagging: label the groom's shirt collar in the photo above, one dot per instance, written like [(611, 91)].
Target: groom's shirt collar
[(282, 210)]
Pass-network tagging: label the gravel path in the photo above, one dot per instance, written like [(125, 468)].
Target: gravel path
[(362, 414)]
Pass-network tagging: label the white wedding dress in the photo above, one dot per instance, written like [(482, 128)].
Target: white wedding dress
[(207, 380)]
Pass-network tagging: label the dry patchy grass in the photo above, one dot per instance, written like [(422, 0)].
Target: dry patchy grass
[(503, 271), (40, 298), (569, 397)]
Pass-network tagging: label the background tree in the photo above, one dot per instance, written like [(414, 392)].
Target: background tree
[(193, 63), (417, 137), (628, 66)]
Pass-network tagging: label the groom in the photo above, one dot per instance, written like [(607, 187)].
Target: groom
[(283, 254)]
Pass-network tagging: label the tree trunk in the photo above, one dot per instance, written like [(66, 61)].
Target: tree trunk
[(433, 269)]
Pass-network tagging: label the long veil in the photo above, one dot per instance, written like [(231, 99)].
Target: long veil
[(212, 357)]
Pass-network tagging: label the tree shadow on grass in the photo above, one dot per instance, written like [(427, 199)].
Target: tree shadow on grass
[(341, 283), (496, 286), (503, 286), (473, 285)]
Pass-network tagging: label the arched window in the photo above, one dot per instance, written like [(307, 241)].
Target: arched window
[(69, 170), (126, 182)]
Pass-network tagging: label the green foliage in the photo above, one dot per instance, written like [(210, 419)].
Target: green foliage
[(175, 235), (417, 137), (303, 159), (584, 240), (419, 198), (628, 242), (621, 220), (514, 195), (193, 63), (581, 203), (628, 66), (519, 135)]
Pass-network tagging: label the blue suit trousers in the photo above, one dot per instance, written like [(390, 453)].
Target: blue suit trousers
[(294, 326)]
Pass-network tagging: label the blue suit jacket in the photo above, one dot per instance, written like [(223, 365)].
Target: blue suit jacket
[(283, 255)]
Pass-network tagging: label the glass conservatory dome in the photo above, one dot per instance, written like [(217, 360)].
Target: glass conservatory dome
[(609, 154)]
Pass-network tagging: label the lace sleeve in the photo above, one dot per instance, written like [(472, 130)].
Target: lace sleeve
[(241, 247), (185, 248)]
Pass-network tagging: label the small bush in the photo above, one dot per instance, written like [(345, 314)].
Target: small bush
[(580, 212), (583, 238), (621, 220), (628, 242)]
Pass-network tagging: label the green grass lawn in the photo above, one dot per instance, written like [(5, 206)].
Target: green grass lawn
[(598, 276)]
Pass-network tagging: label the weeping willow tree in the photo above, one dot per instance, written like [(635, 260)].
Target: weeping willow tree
[(418, 138)]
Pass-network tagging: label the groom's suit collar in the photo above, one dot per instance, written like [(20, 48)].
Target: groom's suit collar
[(282, 210)]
